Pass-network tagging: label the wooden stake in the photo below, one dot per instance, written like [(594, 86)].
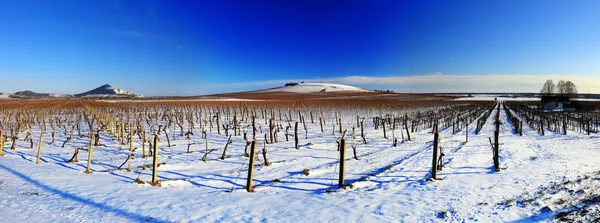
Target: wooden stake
[(251, 167), (435, 156), (321, 121), (130, 147), (144, 143), (253, 128), (496, 149), (39, 153), (342, 163), (384, 133), (122, 134), (296, 135), (90, 154), (155, 161), (362, 132), (521, 128), (1, 143)]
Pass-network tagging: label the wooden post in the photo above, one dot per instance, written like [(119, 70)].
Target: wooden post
[(39, 153), (384, 133), (521, 128), (395, 141), (496, 149), (253, 128), (90, 154), (271, 127), (1, 143), (342, 163), (122, 134), (340, 121), (251, 167), (588, 126), (453, 127), (321, 121), (296, 135), (435, 156), (362, 132), (144, 142), (155, 161), (130, 147), (406, 128), (467, 133)]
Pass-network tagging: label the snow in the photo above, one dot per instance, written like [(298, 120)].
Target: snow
[(106, 91), (317, 87), (4, 96), (116, 95), (393, 186), (586, 99), (492, 98), (59, 95)]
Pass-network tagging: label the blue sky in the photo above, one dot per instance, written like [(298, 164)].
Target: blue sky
[(201, 47)]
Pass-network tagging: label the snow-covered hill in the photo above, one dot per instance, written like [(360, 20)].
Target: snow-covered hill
[(316, 87), (107, 91), (4, 96), (27, 94)]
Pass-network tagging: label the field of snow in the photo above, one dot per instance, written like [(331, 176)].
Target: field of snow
[(492, 98), (317, 87), (586, 99), (4, 96), (389, 184)]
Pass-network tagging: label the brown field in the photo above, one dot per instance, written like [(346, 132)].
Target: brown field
[(253, 99)]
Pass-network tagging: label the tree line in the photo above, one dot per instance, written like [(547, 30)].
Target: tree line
[(562, 87)]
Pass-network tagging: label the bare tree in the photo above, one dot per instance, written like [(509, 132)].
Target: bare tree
[(570, 88), (560, 87), (549, 87)]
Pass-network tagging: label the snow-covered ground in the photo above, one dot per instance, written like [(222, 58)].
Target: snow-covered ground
[(317, 87), (388, 183), (4, 96), (586, 99), (492, 98)]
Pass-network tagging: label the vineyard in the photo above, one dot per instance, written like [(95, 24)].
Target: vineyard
[(289, 160)]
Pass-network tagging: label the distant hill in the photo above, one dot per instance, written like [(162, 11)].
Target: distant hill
[(107, 91), (323, 91), (31, 94), (316, 87)]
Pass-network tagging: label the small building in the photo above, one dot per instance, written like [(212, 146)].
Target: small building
[(558, 103)]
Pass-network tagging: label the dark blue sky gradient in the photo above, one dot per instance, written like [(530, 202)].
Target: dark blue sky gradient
[(197, 47)]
